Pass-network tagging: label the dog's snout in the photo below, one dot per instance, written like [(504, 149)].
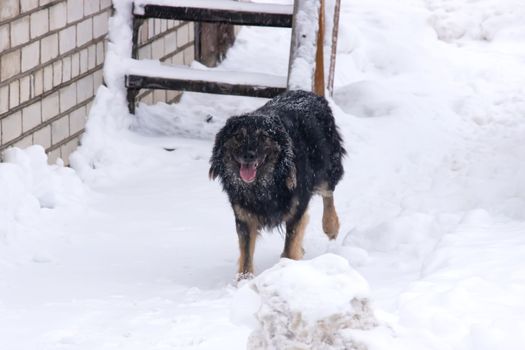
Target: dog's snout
[(249, 156)]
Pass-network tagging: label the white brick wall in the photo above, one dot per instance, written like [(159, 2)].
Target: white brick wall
[(30, 56), (50, 106), (20, 31), (84, 31), (4, 37), (51, 57), (75, 10), (49, 47), (31, 116), (39, 23), (14, 94), (57, 16), (68, 97), (67, 39)]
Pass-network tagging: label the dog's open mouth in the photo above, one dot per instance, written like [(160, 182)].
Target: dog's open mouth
[(248, 171)]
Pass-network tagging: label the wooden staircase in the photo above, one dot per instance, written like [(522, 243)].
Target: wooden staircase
[(183, 78)]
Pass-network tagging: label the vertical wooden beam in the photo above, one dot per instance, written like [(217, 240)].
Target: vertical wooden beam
[(333, 53), (319, 56)]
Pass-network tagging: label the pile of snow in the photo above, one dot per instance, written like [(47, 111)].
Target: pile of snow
[(28, 184), (307, 305)]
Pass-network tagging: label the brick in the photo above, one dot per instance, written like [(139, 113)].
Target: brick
[(38, 81), (68, 148), (42, 137), (49, 48), (191, 31), (84, 32), (75, 65), (77, 120), (24, 143), (5, 42), (182, 36), (68, 97), (151, 28), (100, 53), (48, 78), (57, 73), (100, 25), (92, 56), (11, 127), (39, 23), (60, 130), (58, 16), (178, 58), (50, 106), (143, 34), (20, 31), (30, 56), (66, 69), (90, 7), (157, 48), (4, 98), (25, 89), (159, 96), (53, 156), (156, 24), (14, 94), (98, 79), (83, 61), (170, 42), (189, 55), (75, 10), (85, 88), (31, 116), (67, 39), (145, 52), (26, 5), (9, 9), (105, 4)]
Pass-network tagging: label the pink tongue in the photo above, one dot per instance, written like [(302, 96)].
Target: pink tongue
[(248, 172)]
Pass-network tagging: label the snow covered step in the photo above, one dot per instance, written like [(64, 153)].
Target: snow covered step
[(218, 11), (147, 74)]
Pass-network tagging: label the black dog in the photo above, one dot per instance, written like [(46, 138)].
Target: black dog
[(271, 161)]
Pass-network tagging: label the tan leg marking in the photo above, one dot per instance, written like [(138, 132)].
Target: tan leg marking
[(293, 245), (247, 231), (330, 219)]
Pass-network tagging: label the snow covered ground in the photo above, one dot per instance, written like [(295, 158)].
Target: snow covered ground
[(136, 249)]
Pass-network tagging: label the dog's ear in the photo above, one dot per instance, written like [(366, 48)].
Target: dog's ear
[(291, 179), (216, 160)]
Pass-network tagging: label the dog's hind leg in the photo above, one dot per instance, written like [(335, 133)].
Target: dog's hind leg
[(293, 245), (247, 234), (330, 218)]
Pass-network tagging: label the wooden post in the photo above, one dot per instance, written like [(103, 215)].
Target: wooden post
[(319, 56), (333, 53)]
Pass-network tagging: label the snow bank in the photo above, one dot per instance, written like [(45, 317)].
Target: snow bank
[(307, 305), (28, 183)]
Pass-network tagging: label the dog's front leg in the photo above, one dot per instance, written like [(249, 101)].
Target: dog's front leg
[(247, 233), (293, 244)]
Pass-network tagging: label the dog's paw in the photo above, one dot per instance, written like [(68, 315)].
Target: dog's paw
[(241, 276)]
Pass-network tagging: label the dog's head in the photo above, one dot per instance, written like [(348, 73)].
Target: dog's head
[(253, 149)]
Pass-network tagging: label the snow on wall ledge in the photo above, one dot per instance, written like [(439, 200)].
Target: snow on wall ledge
[(306, 305)]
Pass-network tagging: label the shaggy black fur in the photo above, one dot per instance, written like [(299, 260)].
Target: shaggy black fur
[(294, 146)]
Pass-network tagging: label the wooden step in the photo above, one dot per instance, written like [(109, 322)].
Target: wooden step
[(216, 11), (148, 74)]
